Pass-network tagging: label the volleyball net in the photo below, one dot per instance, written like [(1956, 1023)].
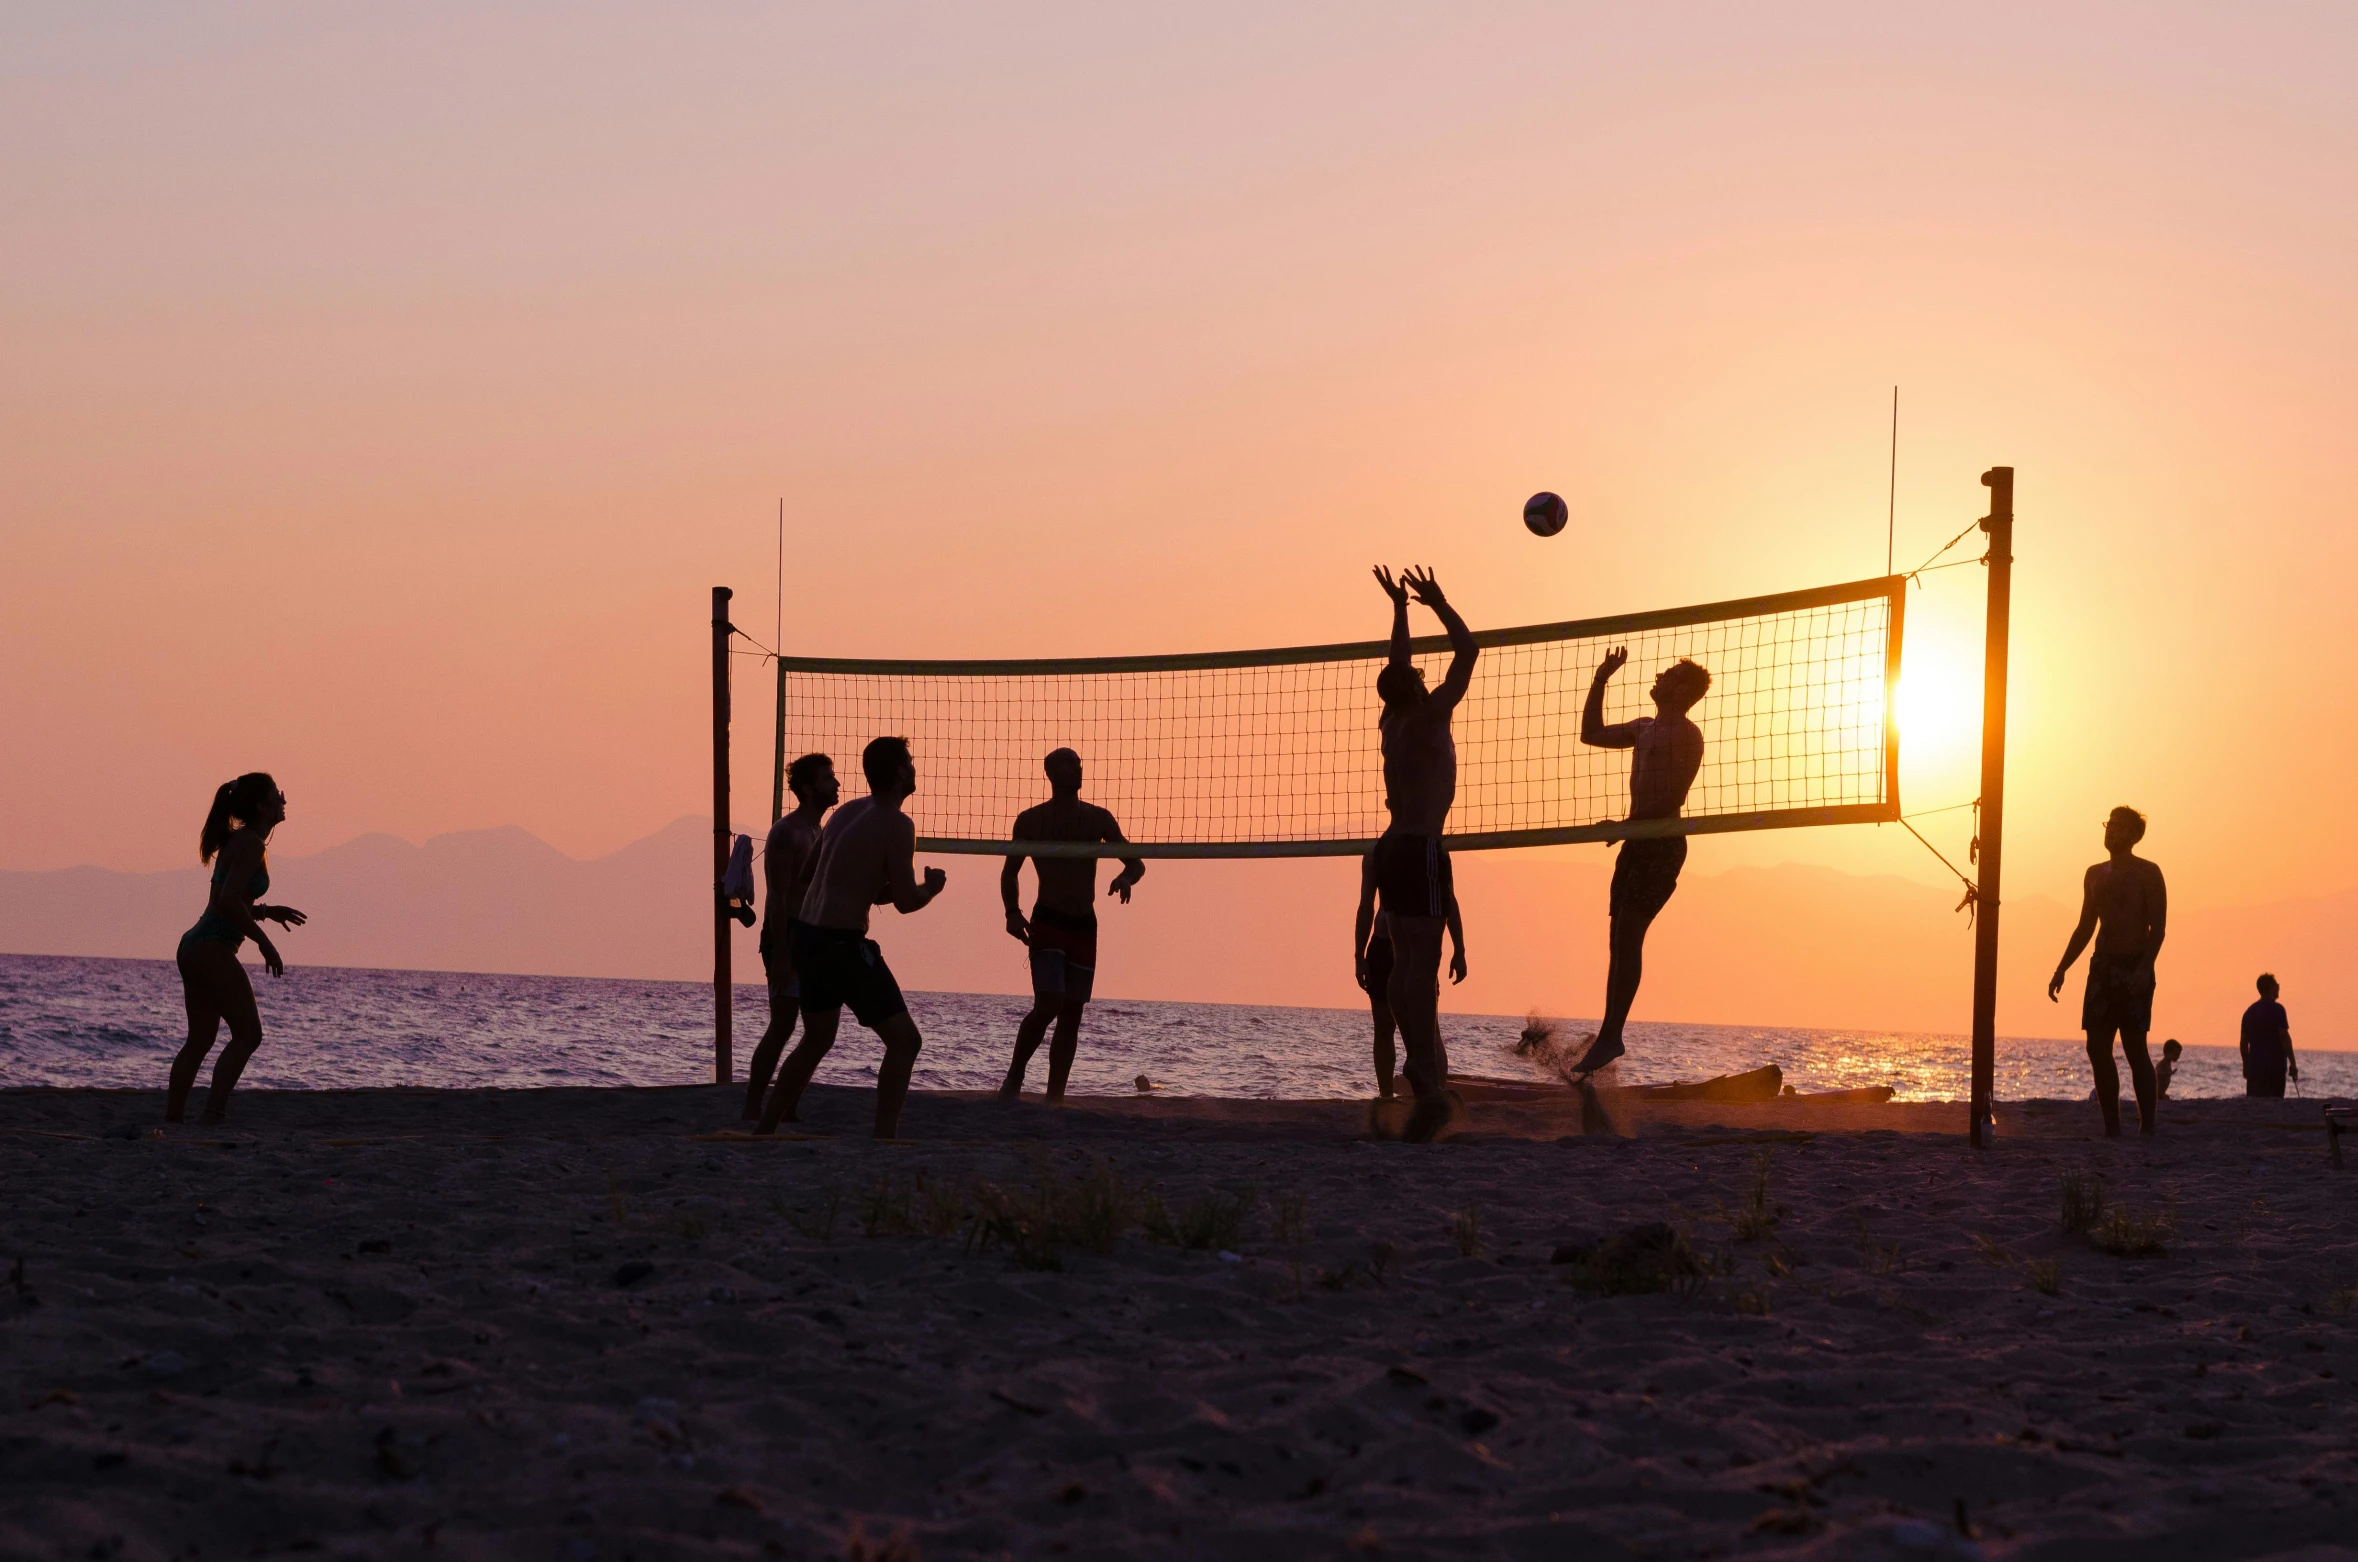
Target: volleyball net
[(1275, 753)]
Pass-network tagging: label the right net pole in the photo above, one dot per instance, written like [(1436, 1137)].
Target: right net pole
[(1999, 523)]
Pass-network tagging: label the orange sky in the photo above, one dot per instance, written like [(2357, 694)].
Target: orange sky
[(383, 393)]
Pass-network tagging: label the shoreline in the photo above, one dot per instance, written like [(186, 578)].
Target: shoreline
[(597, 1323)]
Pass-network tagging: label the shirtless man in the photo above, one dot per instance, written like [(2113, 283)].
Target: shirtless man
[(1411, 868), (1062, 930), (867, 857), (1669, 752), (1371, 961), (787, 859), (2126, 906)]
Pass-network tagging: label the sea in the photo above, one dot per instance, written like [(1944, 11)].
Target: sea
[(72, 1021)]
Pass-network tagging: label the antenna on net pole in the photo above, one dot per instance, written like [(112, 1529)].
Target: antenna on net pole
[(778, 751), (1891, 493)]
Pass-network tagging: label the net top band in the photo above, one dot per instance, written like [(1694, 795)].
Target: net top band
[(1891, 586)]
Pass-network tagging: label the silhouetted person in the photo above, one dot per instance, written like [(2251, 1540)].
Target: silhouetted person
[(1371, 960), (2167, 1069), (1062, 930), (787, 861), (2266, 1045), (867, 857), (1669, 753), (1411, 867), (2126, 906), (212, 978)]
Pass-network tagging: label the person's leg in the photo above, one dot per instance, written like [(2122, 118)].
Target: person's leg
[(794, 1075), (1047, 963), (2108, 1080), (1067, 1044), (234, 991), (1379, 1004), (2141, 1079), (1644, 877), (1416, 1000), (783, 1003), (901, 1042), (204, 1025)]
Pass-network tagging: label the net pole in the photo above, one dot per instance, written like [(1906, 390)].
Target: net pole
[(778, 755), (2000, 525), (722, 1064)]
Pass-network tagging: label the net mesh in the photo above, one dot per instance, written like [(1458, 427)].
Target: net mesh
[(1279, 749)]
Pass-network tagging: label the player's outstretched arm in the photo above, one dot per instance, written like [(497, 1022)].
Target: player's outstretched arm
[(1463, 651), (1011, 895), (908, 892), (1457, 941), (1133, 868), (1593, 729), (2079, 935), (1399, 595), (1363, 924)]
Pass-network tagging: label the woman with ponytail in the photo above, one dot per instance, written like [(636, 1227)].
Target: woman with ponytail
[(213, 979)]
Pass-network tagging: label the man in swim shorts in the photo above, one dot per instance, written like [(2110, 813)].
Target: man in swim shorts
[(2125, 905), (1371, 959), (1669, 751), (1062, 929), (2266, 1045), (867, 857), (1411, 868), (787, 860)]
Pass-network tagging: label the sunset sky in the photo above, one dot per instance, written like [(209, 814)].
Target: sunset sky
[(386, 387)]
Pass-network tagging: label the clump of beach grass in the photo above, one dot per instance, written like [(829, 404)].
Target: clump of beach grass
[(2083, 1200)]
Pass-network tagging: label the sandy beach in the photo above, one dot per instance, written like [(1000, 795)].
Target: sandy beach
[(595, 1324)]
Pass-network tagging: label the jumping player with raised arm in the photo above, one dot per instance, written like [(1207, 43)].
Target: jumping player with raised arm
[(787, 860), (867, 857), (1669, 753), (1062, 929), (2127, 907), (1411, 866)]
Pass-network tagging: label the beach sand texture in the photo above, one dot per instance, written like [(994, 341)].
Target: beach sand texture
[(577, 1324)]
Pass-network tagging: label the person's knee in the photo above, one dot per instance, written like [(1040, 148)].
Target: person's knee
[(1068, 1013)]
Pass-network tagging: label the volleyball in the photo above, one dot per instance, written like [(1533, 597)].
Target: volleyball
[(1545, 514)]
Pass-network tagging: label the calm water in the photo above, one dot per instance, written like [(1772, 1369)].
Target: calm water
[(70, 1021)]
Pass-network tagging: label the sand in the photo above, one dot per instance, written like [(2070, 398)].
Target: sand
[(576, 1324)]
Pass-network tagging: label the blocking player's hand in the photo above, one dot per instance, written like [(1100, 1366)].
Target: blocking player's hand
[(1614, 661), (1427, 589), (1457, 965), (1392, 588), (1017, 928)]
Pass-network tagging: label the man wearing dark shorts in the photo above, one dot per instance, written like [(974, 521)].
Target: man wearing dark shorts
[(787, 860), (2266, 1045), (1669, 753), (1061, 932), (2125, 907), (866, 858), (1411, 868), (1372, 962)]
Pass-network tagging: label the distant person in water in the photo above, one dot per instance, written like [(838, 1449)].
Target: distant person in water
[(867, 857), (1371, 960), (787, 860), (2266, 1045), (212, 978), (2125, 905), (1669, 753), (1411, 866), (1061, 932), (2167, 1069)]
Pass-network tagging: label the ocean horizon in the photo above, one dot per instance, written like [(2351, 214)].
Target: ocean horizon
[(86, 1021)]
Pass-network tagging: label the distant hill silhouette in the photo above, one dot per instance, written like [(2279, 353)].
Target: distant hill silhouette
[(1789, 945)]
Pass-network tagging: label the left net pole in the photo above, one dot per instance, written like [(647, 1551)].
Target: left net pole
[(722, 1064)]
